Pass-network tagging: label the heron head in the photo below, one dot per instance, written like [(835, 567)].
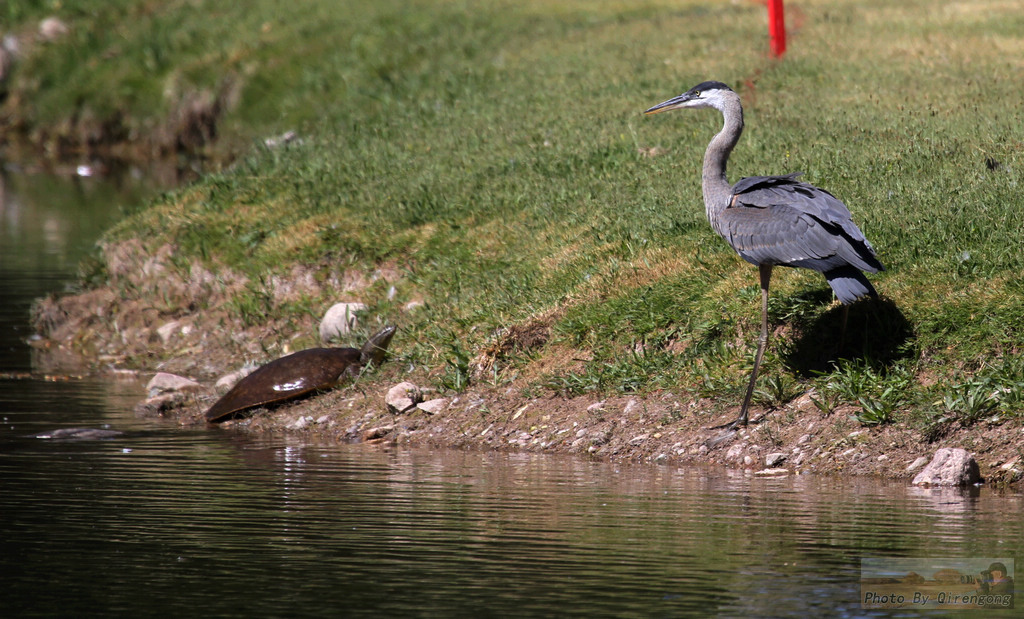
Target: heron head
[(705, 94)]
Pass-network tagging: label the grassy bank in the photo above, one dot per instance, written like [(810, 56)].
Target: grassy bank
[(490, 160)]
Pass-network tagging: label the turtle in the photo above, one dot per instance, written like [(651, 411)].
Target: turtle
[(299, 374)]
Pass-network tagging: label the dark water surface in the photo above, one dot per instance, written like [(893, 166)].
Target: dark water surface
[(160, 521)]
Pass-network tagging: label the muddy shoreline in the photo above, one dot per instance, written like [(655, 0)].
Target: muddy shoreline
[(121, 326)]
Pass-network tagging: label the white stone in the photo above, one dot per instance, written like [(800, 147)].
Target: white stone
[(339, 320), (300, 423), (949, 467), (166, 330), (403, 397), (230, 380), (916, 464), (772, 460), (168, 383), (434, 406), (52, 28)]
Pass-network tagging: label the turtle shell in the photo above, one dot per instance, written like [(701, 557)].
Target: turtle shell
[(286, 378)]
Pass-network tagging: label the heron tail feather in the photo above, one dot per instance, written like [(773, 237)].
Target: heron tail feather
[(849, 284)]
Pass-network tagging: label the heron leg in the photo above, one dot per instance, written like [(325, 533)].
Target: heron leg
[(765, 270)]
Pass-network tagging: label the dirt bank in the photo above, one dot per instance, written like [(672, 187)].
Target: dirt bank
[(159, 315)]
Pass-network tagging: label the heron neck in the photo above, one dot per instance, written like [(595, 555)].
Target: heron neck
[(716, 187)]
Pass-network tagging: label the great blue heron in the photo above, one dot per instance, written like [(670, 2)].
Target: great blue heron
[(775, 220)]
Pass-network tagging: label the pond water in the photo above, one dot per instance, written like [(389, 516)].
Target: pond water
[(159, 520)]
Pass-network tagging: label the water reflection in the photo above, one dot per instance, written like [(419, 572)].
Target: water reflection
[(47, 225), (216, 522)]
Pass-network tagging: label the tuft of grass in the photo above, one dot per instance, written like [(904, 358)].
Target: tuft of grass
[(776, 390), (881, 393)]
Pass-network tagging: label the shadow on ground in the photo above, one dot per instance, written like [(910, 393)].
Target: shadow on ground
[(876, 332)]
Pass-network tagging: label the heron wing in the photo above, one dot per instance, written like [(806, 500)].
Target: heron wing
[(780, 220)]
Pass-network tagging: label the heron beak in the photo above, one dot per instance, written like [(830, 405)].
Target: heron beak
[(672, 104)]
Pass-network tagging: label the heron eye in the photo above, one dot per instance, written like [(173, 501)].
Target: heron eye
[(696, 93)]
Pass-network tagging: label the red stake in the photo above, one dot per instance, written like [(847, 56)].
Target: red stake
[(776, 28)]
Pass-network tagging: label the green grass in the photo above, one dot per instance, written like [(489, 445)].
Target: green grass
[(493, 153)]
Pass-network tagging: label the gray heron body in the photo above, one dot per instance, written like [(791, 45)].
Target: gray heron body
[(775, 220)]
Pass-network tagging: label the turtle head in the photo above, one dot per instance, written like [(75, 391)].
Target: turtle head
[(375, 347)]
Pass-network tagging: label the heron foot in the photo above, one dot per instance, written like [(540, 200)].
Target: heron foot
[(732, 425), (740, 421)]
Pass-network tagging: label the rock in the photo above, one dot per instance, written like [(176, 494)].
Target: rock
[(916, 464), (285, 138), (377, 433), (734, 452), (175, 327), (168, 329), (772, 460), (52, 28), (596, 407), (772, 472), (434, 406), (228, 380), (949, 467), (403, 397), (339, 320), (300, 422), (163, 382), (748, 461), (1009, 472), (160, 404)]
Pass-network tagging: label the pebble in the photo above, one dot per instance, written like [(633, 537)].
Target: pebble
[(403, 397), (434, 406), (916, 464), (52, 28)]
